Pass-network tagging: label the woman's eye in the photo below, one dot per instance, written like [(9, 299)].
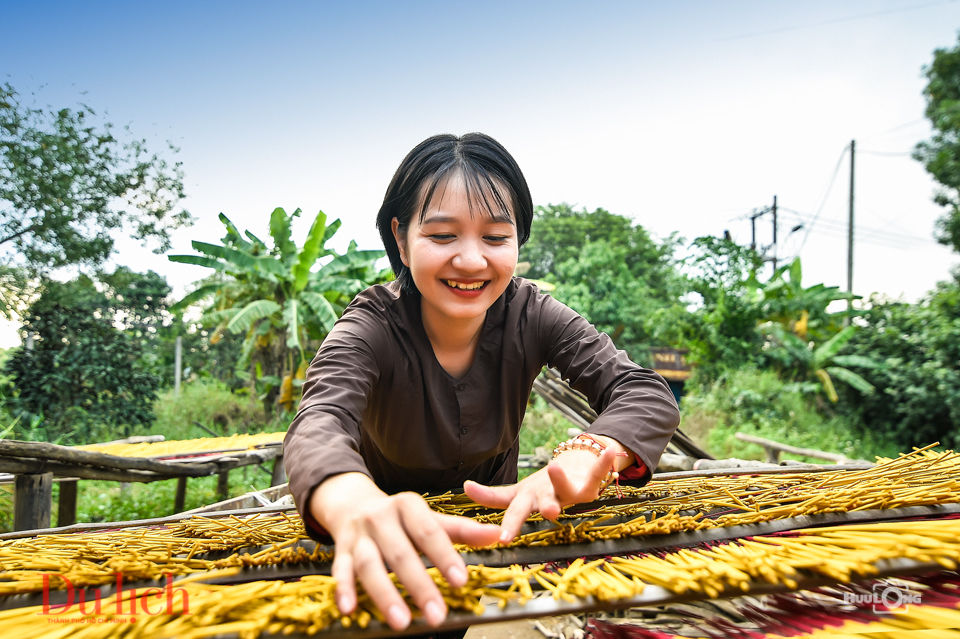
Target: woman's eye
[(499, 239), (441, 237)]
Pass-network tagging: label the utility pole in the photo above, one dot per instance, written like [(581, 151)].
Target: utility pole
[(753, 233), (774, 247), (177, 366), (853, 148)]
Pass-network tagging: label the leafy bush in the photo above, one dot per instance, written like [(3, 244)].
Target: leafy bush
[(211, 403), (760, 403), (917, 398), (717, 321)]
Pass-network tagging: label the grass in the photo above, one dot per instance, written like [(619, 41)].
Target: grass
[(99, 501), (759, 403), (543, 427)]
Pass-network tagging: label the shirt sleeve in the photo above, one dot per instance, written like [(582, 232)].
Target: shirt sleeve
[(635, 405), (324, 438)]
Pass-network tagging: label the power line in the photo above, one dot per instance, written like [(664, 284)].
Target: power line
[(867, 235), (874, 241), (836, 223), (887, 153), (833, 227), (823, 201), (896, 128), (861, 16)]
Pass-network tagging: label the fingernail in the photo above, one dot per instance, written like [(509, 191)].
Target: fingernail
[(505, 538), (398, 616), (434, 612), (343, 603), (458, 576)]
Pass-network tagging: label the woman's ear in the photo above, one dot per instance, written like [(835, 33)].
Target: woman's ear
[(401, 239)]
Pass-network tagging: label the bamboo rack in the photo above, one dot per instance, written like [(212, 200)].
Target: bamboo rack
[(242, 549)]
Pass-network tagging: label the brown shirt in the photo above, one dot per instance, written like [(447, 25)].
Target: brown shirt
[(377, 401)]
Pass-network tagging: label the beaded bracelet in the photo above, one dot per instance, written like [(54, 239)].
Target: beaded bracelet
[(586, 441)]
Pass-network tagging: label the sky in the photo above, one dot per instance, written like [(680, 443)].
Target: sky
[(684, 116)]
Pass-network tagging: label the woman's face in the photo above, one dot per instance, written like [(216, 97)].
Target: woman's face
[(460, 262)]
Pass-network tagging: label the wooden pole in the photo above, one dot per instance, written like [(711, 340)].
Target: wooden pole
[(67, 504), (33, 494), (177, 363), (774, 233), (853, 149), (181, 495), (279, 474), (223, 485)]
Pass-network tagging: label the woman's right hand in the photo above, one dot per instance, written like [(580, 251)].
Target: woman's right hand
[(373, 530)]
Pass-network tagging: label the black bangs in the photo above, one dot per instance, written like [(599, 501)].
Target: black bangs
[(481, 187), (490, 175)]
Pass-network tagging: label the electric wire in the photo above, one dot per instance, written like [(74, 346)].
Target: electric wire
[(886, 153), (870, 232), (822, 23), (823, 201)]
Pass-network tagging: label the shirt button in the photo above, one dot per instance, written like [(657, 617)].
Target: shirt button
[(463, 431), (461, 386), (461, 463)]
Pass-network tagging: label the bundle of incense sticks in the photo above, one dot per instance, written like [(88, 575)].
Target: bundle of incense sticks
[(922, 478), (920, 606), (190, 608), (186, 446)]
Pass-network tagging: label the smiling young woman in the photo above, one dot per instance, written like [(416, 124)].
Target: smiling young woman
[(422, 386)]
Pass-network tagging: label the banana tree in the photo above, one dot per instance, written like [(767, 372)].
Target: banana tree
[(803, 311), (276, 296), (822, 361)]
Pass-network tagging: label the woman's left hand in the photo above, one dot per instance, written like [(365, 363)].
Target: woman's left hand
[(573, 477)]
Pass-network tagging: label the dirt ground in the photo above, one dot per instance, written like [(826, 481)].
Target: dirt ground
[(522, 629)]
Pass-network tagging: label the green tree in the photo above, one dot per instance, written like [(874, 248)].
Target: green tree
[(800, 359), (560, 233), (273, 297), (90, 368), (717, 318), (801, 310), (940, 154), (606, 268), (598, 284), (67, 185), (917, 401)]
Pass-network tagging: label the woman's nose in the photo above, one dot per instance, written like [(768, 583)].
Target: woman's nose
[(470, 256)]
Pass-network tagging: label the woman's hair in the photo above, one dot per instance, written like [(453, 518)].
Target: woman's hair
[(490, 176)]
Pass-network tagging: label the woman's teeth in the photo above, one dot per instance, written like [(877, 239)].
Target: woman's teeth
[(465, 287)]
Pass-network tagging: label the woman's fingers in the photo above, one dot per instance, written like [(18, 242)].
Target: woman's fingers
[(342, 571), (464, 530), (490, 496), (519, 509), (599, 470), (373, 575), (416, 527)]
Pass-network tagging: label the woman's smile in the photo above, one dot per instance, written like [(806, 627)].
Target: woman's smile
[(466, 288)]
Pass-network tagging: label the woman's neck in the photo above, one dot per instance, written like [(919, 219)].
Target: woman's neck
[(454, 341)]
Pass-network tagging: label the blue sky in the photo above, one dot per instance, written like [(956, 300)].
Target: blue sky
[(684, 116)]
